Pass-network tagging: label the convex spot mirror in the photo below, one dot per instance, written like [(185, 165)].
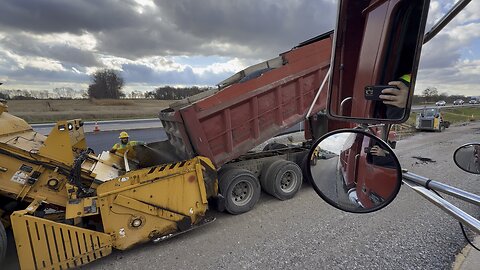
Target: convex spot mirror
[(467, 157), (354, 171), (375, 59)]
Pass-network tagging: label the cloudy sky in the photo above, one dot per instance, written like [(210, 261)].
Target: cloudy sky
[(46, 44)]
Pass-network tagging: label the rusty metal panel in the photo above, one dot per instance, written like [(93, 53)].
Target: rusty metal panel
[(177, 136), (235, 119)]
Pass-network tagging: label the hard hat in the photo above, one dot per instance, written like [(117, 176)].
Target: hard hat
[(123, 135)]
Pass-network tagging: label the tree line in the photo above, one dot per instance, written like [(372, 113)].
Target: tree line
[(108, 84), (57, 93), (431, 95), (174, 93), (105, 84)]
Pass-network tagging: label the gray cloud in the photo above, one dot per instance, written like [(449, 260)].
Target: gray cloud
[(31, 74), (189, 27), (137, 73), (185, 27), (248, 29), (434, 53), (59, 16), (267, 26), (154, 40), (24, 45)]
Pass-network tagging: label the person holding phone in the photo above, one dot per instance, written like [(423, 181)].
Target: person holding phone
[(395, 98), (380, 157)]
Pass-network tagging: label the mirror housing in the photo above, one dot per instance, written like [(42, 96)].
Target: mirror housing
[(467, 157), (376, 42), (354, 171)]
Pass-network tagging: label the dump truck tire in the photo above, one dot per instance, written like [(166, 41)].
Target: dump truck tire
[(303, 166), (3, 243), (282, 179), (241, 190)]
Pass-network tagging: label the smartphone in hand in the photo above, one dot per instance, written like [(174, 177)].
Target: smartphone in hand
[(373, 92)]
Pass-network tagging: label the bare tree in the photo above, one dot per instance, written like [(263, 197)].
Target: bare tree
[(429, 93)]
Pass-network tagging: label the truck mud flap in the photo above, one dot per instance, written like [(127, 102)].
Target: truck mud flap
[(44, 244)]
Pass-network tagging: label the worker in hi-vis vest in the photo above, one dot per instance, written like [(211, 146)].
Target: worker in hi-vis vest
[(124, 144)]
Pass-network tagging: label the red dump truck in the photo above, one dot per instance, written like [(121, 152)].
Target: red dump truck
[(246, 110)]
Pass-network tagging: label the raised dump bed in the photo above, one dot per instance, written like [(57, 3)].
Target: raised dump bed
[(251, 106)]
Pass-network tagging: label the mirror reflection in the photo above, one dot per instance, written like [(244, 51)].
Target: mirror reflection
[(375, 58), (355, 171), (467, 158)]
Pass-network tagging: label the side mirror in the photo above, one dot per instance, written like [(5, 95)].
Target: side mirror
[(355, 171), (467, 158), (376, 42)]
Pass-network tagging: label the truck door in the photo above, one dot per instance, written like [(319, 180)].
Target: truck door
[(375, 176)]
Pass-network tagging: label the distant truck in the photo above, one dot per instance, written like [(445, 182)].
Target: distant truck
[(431, 119), (474, 100)]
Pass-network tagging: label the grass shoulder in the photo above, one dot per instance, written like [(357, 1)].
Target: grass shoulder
[(40, 111)]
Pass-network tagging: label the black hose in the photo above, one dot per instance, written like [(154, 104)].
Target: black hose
[(63, 170), (466, 237), (75, 174), (461, 225)]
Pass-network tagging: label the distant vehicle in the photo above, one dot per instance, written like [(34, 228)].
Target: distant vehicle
[(458, 102), (441, 103), (431, 119), (473, 101)]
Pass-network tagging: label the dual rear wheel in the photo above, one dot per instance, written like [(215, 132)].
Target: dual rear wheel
[(241, 188)]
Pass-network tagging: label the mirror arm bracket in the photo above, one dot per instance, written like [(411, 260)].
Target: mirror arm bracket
[(446, 189), (461, 4), (343, 103), (318, 93), (446, 206), (385, 132)]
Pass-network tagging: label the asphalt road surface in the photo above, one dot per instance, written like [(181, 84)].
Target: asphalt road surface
[(108, 125), (448, 106), (307, 233), (103, 141)]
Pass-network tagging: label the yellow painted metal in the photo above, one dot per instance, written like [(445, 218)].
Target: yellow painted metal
[(29, 161), (14, 181), (26, 172), (83, 207), (436, 123), (65, 139), (135, 206), (44, 244), (11, 124), (202, 189), (3, 106), (151, 202), (148, 209)]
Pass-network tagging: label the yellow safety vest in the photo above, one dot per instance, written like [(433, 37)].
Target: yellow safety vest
[(120, 148), (406, 77)]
